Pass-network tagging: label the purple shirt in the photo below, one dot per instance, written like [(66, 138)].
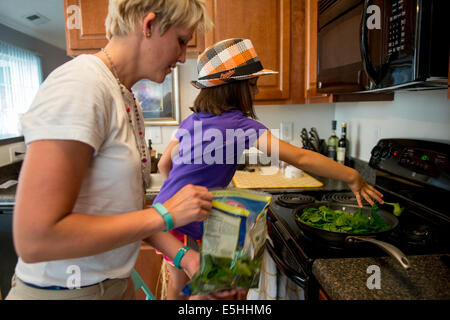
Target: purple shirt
[(210, 147)]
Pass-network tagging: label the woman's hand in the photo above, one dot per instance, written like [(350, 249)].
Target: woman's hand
[(191, 203), (360, 188)]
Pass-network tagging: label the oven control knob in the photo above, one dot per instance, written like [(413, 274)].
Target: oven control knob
[(376, 151), (386, 153)]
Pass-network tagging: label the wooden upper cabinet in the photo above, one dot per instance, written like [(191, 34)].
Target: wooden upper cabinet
[(267, 23), (85, 27), (311, 94)]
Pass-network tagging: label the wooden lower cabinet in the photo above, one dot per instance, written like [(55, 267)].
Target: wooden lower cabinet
[(148, 265), (323, 295)]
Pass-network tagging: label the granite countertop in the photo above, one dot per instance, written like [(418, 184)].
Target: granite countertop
[(347, 278)]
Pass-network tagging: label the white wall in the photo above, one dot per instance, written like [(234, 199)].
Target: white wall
[(420, 115), (302, 116)]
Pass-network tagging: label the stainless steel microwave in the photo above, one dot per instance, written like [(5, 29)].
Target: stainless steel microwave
[(382, 45)]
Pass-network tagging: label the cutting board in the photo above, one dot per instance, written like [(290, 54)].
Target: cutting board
[(252, 180)]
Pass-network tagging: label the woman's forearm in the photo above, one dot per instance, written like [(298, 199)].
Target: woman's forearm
[(81, 235)]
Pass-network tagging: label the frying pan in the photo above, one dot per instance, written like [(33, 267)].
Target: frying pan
[(344, 239)]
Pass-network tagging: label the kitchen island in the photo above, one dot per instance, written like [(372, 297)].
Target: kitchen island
[(355, 278)]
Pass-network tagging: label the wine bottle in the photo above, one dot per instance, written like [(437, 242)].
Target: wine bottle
[(342, 145), (332, 142)]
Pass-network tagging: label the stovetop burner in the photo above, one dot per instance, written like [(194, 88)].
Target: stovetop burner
[(416, 235), (294, 200), (344, 197)]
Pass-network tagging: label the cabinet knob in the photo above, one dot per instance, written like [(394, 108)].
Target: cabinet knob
[(319, 84)]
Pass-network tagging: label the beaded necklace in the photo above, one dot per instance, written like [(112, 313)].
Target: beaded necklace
[(136, 121)]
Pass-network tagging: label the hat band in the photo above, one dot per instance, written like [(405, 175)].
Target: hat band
[(243, 70)]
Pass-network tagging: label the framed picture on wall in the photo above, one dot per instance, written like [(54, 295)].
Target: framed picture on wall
[(159, 101)]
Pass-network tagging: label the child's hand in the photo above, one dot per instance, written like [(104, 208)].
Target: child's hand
[(229, 294), (360, 188)]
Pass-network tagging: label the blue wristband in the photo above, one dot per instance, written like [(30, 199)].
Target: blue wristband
[(179, 256), (165, 214)]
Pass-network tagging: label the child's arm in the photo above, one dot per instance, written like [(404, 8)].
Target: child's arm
[(318, 164), (165, 163), (169, 245)]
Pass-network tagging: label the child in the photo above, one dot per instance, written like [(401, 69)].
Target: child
[(227, 76)]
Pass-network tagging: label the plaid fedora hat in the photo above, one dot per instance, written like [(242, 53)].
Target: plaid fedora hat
[(227, 61)]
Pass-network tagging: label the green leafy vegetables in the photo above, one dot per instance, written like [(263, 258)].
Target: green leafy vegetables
[(397, 209), (232, 243), (341, 221), (223, 273)]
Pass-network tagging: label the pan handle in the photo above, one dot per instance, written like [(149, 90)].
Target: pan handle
[(389, 248)]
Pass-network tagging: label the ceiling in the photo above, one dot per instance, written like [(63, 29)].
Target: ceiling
[(13, 13)]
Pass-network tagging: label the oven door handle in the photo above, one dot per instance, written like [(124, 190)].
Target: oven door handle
[(285, 269)]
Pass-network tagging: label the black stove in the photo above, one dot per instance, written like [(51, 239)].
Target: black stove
[(423, 226)]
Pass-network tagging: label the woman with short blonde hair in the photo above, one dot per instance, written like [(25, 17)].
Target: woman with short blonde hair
[(79, 217), (123, 15)]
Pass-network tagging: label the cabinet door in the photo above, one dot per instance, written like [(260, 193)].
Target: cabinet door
[(85, 25), (311, 94), (267, 24), (148, 266), (85, 28)]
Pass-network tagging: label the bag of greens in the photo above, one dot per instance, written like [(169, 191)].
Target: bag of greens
[(233, 242)]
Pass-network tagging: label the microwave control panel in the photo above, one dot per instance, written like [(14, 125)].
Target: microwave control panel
[(397, 27), (400, 19)]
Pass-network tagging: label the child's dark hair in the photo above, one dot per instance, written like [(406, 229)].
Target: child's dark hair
[(231, 96)]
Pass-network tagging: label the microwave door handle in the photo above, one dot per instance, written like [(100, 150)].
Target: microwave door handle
[(368, 66)]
